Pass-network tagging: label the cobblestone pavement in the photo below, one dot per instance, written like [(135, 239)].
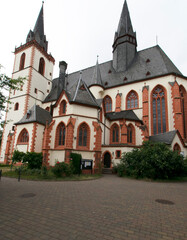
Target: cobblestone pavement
[(107, 208)]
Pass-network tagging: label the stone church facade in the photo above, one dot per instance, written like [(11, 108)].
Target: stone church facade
[(99, 112)]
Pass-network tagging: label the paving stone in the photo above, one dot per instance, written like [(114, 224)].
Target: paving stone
[(105, 209)]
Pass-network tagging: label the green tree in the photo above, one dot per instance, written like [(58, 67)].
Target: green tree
[(7, 84)]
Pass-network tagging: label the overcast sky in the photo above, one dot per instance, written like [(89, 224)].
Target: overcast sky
[(79, 30)]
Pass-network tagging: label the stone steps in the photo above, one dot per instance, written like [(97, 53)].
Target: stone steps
[(107, 170)]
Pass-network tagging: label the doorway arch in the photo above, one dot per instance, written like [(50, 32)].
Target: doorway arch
[(107, 160)]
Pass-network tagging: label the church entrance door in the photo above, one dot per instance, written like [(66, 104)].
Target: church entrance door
[(107, 160)]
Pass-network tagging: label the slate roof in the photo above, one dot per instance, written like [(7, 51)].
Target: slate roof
[(152, 60), (166, 137), (36, 114), (127, 114)]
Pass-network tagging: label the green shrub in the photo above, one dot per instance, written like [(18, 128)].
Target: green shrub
[(152, 160), (120, 169), (18, 156), (44, 171), (33, 159), (76, 162), (62, 169)]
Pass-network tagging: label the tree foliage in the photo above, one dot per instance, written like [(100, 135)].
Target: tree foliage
[(6, 84), (152, 160)]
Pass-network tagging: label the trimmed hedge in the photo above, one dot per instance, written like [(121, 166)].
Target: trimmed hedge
[(76, 162)]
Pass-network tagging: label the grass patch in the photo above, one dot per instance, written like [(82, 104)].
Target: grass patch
[(4, 166), (50, 176)]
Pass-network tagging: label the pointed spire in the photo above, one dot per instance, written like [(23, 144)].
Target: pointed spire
[(125, 25), (124, 47), (38, 31), (39, 26), (97, 74)]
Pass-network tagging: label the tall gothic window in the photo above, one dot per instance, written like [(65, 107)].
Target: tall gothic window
[(41, 66), (60, 135), (22, 62), (23, 137), (108, 104), (115, 133), (132, 100), (129, 134), (63, 107), (183, 95), (159, 110), (83, 135)]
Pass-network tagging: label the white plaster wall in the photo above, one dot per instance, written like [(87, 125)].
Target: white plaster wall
[(113, 150), (56, 156), (21, 148), (85, 155), (97, 91), (48, 64), (27, 52), (177, 140), (29, 128), (39, 138)]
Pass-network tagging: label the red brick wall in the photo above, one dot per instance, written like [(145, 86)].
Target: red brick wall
[(46, 143), (123, 131), (7, 151), (118, 103), (145, 104), (33, 140), (97, 146), (70, 132), (176, 100)]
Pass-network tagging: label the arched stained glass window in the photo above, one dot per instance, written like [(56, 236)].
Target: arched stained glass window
[(60, 135), (159, 110), (108, 104), (132, 100), (63, 107), (23, 137), (115, 134), (129, 134), (83, 135)]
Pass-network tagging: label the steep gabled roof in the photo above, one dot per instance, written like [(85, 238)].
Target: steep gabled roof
[(36, 114), (81, 94)]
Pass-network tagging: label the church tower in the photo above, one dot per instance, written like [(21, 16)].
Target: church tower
[(124, 47), (33, 63)]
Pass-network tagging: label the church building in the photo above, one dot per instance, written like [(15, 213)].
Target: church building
[(101, 111)]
